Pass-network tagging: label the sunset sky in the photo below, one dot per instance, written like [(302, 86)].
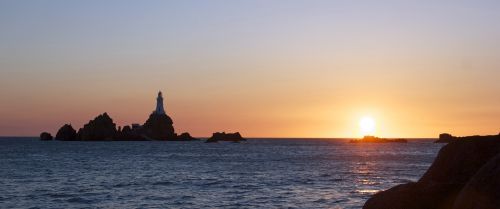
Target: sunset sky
[(262, 67)]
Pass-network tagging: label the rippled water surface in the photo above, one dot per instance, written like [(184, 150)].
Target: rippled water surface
[(261, 173)]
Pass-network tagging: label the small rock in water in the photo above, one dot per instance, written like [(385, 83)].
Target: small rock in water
[(45, 136)]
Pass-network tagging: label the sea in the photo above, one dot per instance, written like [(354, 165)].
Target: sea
[(259, 173)]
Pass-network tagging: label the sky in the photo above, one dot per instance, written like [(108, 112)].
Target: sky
[(265, 68)]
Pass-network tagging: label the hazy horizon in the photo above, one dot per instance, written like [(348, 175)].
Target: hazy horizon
[(264, 68)]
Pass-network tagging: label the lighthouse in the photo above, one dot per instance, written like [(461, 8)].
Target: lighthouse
[(159, 105), (159, 125)]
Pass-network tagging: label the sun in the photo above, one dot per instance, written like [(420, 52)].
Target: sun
[(367, 125)]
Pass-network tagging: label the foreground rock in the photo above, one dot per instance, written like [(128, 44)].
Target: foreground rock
[(44, 136), (373, 139), (66, 133), (453, 168), (101, 128), (222, 136), (483, 190)]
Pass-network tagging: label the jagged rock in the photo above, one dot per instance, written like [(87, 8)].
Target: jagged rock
[(223, 136), (445, 138), (211, 140), (101, 128), (159, 127), (483, 190), (186, 137), (128, 134), (454, 166), (45, 136), (66, 133)]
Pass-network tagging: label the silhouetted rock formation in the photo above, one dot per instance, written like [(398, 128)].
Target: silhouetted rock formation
[(128, 134), (185, 137), (373, 139), (483, 190), (211, 140), (101, 128), (66, 133), (44, 136), (218, 136), (453, 168), (445, 138), (159, 127)]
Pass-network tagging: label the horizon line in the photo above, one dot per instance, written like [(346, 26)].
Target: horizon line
[(260, 137)]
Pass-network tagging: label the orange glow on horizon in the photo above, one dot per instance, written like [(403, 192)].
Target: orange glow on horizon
[(265, 69)]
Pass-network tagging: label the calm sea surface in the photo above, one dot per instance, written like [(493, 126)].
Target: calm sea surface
[(260, 173)]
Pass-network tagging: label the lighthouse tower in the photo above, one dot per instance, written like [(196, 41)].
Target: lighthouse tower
[(159, 126), (159, 105)]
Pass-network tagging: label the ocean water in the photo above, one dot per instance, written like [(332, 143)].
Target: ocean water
[(260, 173)]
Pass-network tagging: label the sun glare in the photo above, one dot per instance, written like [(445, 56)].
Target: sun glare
[(367, 126)]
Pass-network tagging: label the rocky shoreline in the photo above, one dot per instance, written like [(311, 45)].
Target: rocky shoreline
[(464, 175)]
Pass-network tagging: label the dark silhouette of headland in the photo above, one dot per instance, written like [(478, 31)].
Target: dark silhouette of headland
[(464, 175), (447, 138), (159, 126)]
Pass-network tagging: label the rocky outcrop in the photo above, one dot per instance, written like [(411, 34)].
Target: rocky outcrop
[(128, 134), (453, 168), (211, 140), (99, 129), (185, 137), (445, 138), (159, 127), (483, 190), (66, 133), (373, 139), (102, 128), (405, 196), (222, 136), (45, 136)]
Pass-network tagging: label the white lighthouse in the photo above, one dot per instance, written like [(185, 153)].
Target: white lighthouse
[(159, 105)]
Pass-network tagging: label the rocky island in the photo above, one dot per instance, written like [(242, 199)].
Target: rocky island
[(223, 136), (159, 126), (66, 133), (464, 175), (373, 139), (44, 136)]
